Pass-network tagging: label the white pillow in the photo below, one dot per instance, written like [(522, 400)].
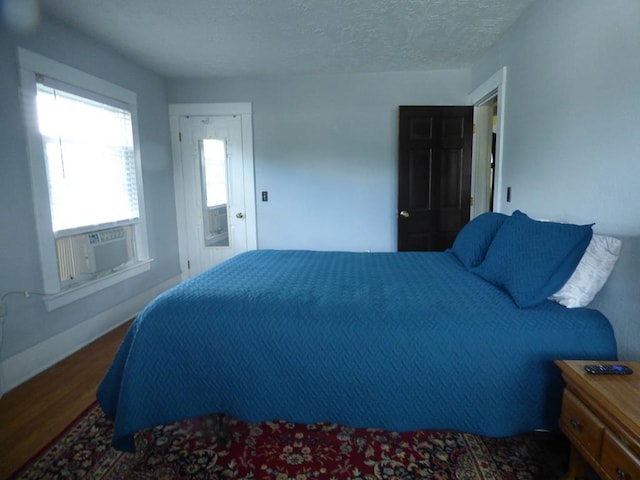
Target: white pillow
[(591, 273)]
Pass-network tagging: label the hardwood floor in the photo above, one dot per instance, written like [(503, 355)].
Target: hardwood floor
[(34, 413)]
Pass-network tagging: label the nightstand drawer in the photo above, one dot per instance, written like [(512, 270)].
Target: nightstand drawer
[(601, 418), (579, 423), (618, 461)]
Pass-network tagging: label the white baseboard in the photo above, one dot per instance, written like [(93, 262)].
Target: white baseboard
[(21, 367)]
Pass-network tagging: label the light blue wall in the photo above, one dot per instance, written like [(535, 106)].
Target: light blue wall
[(572, 147), (27, 322), (326, 150), (572, 131)]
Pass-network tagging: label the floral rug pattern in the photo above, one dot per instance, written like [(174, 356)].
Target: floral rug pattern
[(192, 449)]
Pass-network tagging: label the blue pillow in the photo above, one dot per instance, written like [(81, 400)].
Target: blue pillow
[(531, 259), (473, 240)]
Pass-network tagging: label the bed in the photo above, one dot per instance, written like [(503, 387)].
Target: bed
[(400, 341)]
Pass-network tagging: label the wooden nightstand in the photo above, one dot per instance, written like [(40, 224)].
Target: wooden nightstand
[(601, 418)]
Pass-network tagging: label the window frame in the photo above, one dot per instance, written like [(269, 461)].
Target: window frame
[(30, 66)]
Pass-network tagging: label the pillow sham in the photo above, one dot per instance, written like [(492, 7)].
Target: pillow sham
[(591, 273), (473, 240), (532, 260)]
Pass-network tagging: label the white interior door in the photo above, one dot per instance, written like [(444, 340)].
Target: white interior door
[(215, 201)]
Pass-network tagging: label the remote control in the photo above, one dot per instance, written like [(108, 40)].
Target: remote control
[(608, 369)]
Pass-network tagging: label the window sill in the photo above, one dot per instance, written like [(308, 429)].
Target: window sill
[(78, 292)]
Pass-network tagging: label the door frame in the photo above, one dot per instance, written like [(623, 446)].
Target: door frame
[(242, 109), (494, 86)]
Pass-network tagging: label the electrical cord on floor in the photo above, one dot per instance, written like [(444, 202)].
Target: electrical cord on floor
[(3, 314)]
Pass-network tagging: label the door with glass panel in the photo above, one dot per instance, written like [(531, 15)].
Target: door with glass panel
[(213, 174)]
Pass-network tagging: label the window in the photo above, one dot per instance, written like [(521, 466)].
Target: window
[(88, 149), (86, 178)]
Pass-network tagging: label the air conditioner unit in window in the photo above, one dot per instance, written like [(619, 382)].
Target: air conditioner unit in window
[(82, 257), (107, 250)]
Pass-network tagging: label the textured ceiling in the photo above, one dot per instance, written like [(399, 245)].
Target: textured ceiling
[(197, 38)]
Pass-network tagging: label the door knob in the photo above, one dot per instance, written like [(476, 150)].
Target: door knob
[(404, 213), (239, 215)]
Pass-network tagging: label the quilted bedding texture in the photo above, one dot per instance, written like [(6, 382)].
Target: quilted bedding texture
[(400, 341)]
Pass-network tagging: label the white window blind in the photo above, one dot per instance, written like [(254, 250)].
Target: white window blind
[(90, 161)]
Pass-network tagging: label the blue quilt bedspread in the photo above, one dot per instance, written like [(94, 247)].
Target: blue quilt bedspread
[(400, 341)]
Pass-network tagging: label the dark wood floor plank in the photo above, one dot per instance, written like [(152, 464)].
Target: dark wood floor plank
[(34, 413)]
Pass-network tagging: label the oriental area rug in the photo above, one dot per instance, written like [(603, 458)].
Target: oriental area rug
[(285, 451)]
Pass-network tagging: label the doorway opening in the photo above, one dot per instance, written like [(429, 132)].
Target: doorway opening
[(484, 162), (489, 106)]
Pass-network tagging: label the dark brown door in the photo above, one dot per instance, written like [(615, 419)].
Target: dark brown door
[(434, 176)]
